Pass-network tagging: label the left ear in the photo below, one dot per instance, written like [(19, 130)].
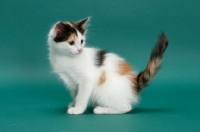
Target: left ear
[(82, 24)]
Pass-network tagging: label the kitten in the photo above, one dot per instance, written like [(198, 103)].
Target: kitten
[(94, 75)]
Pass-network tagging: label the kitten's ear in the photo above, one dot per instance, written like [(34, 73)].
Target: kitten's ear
[(59, 27), (82, 24)]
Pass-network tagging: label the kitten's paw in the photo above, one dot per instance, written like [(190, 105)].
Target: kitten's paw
[(99, 110), (74, 111)]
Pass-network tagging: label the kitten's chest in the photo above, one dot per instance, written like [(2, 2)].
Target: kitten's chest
[(62, 64), (71, 68)]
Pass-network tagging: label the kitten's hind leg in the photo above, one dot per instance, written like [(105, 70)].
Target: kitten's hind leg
[(117, 110)]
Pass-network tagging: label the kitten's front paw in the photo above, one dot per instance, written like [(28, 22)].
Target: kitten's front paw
[(74, 111)]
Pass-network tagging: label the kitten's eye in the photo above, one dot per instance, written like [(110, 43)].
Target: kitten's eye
[(82, 41), (71, 42)]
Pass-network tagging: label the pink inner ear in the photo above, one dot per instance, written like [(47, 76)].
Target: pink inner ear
[(59, 28)]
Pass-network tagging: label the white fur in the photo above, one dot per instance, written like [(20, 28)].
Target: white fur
[(79, 73)]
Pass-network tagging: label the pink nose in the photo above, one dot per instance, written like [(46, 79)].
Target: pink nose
[(79, 50)]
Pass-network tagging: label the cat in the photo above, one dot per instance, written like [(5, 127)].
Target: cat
[(94, 75)]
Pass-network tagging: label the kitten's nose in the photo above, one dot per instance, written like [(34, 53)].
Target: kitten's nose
[(79, 50)]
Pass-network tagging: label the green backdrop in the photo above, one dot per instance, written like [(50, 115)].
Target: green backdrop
[(33, 99)]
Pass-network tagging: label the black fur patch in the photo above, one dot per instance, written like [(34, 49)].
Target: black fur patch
[(63, 31), (81, 25), (81, 30), (160, 48), (142, 81), (78, 27), (100, 57)]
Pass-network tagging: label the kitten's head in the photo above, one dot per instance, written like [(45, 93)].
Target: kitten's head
[(68, 37)]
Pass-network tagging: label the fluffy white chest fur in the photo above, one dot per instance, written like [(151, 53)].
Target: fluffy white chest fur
[(73, 69), (93, 75)]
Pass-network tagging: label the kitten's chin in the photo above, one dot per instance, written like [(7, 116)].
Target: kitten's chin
[(71, 54), (76, 54)]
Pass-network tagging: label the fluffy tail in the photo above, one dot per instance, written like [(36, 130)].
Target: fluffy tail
[(154, 63)]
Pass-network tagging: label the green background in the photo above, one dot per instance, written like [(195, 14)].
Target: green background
[(33, 99)]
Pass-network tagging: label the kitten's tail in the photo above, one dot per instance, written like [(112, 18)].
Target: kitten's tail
[(154, 63)]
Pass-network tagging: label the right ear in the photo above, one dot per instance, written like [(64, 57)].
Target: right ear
[(82, 24), (59, 27)]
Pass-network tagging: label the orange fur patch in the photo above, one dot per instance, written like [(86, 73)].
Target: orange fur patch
[(124, 68), (72, 37), (102, 78), (67, 23), (133, 78)]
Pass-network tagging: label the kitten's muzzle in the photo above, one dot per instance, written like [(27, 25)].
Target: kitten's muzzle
[(80, 50)]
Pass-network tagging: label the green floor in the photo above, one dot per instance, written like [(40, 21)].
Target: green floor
[(32, 99)]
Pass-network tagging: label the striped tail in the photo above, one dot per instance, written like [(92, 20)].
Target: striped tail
[(154, 63)]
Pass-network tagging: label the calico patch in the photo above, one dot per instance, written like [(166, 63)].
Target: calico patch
[(102, 78), (64, 31), (81, 25), (124, 68), (72, 37), (81, 30)]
